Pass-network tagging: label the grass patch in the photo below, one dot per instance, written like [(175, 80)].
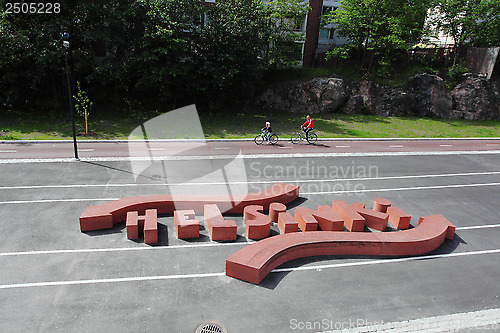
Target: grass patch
[(247, 124)]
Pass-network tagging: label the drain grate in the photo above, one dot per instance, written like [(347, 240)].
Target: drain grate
[(211, 327)]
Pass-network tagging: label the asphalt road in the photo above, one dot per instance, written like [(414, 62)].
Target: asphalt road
[(55, 278)]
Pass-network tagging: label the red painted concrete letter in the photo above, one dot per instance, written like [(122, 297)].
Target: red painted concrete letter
[(287, 224), (373, 219), (185, 224), (398, 218), (352, 220), (257, 225), (219, 229), (325, 217)]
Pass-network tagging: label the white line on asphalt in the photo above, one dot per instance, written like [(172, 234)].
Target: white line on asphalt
[(85, 149), (342, 146), (280, 270), (252, 156), (486, 226), (95, 281), (486, 320), (124, 249), (222, 148), (156, 149), (305, 193), (29, 187), (174, 247), (401, 189), (55, 200), (492, 144), (445, 145), (396, 146), (384, 261), (8, 151)]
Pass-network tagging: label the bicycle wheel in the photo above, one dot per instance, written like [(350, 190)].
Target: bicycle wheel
[(259, 139), (296, 138), (312, 138), (273, 139)]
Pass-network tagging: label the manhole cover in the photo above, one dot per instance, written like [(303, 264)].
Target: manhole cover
[(211, 327)]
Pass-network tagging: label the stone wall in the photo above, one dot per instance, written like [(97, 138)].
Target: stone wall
[(424, 95)]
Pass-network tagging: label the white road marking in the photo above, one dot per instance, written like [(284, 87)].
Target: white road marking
[(129, 279), (85, 149), (8, 151), (156, 149), (285, 147), (55, 200), (445, 145), (492, 144), (124, 249), (174, 247), (26, 187), (396, 146), (342, 146), (486, 226), (304, 193), (318, 268), (222, 148), (402, 189), (384, 261), (249, 156), (487, 320)]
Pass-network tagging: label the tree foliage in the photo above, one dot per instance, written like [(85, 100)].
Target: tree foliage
[(379, 25), (155, 54), (285, 18), (474, 22)]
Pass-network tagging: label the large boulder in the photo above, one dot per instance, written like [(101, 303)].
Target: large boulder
[(476, 98), (430, 96), (368, 97), (319, 95)]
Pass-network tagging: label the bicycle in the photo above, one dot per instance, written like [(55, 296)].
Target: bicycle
[(301, 135), (259, 139)]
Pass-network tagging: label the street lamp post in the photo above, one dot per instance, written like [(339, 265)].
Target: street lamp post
[(70, 96)]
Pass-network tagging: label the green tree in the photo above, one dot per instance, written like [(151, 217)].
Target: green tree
[(285, 19), (487, 27), (467, 22), (383, 27), (83, 105), (31, 61), (166, 51), (229, 51)]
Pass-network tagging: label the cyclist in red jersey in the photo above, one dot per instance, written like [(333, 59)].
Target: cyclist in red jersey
[(308, 126)]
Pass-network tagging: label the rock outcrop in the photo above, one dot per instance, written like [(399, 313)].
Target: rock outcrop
[(424, 95), (476, 98)]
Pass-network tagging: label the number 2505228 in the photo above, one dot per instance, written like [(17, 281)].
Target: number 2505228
[(32, 8)]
